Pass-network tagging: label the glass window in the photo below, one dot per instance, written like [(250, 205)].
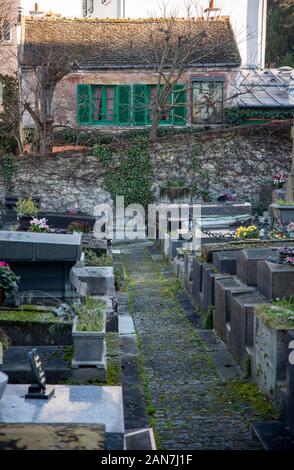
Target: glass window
[(103, 104), (5, 32), (207, 102)]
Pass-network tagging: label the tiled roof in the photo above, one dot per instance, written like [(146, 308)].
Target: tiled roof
[(109, 43)]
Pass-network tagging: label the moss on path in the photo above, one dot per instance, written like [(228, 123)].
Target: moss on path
[(190, 407)]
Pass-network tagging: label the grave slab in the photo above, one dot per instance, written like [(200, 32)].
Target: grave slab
[(72, 404), (43, 261), (196, 286), (247, 263), (274, 435), (242, 307), (188, 271), (223, 289), (271, 356), (225, 262), (209, 276), (275, 280), (52, 437), (93, 281)]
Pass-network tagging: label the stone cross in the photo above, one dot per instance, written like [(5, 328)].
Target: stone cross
[(290, 182)]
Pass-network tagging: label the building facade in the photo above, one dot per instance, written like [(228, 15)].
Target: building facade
[(115, 78)]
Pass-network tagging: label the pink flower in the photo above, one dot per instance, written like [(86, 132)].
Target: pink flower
[(3, 264)]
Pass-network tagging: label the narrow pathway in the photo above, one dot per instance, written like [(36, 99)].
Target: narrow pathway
[(189, 405)]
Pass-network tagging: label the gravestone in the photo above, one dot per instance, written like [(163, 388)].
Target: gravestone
[(225, 262), (247, 263), (93, 280), (224, 287), (242, 307), (196, 286), (209, 277), (42, 260), (275, 280), (271, 357)]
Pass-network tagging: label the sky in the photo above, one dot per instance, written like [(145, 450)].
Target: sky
[(73, 7), (66, 7)]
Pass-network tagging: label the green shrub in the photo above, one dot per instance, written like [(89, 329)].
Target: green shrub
[(90, 315), (26, 208)]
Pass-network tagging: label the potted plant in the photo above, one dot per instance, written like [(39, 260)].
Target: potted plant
[(8, 281), (26, 209), (39, 225), (250, 232), (89, 327), (79, 227)]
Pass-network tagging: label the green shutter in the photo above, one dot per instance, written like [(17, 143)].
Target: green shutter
[(140, 105), (83, 104), (180, 105), (124, 105)]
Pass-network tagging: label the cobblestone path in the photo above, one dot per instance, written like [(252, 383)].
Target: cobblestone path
[(189, 405)]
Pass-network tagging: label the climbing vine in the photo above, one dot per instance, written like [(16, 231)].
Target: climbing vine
[(129, 174), (8, 169)]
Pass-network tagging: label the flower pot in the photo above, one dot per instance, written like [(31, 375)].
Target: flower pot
[(2, 296), (3, 383), (89, 346)]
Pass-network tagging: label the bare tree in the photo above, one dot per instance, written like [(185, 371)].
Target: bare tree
[(175, 46)]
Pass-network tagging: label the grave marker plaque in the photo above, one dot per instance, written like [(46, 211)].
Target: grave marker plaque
[(38, 389)]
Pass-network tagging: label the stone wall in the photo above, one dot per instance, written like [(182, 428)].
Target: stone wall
[(242, 159)]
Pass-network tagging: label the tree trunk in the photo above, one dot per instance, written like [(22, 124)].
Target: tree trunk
[(46, 139), (155, 124)]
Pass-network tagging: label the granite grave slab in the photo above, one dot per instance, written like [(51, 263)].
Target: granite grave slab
[(82, 405), (225, 262), (222, 316), (275, 280), (43, 261), (242, 307), (247, 263), (271, 357)]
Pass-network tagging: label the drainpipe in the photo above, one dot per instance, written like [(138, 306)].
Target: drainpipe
[(263, 33)]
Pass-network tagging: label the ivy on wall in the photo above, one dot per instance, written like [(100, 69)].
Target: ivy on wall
[(8, 169), (129, 174)]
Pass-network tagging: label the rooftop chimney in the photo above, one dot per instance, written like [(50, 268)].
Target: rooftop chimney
[(212, 11), (36, 11)]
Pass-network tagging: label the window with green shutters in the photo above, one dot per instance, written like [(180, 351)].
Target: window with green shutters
[(104, 105), (117, 105), (173, 113)]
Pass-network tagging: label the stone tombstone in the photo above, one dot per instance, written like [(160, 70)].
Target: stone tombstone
[(275, 280), (242, 325), (225, 287), (42, 260), (247, 263), (225, 261)]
